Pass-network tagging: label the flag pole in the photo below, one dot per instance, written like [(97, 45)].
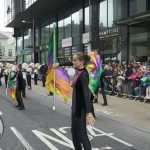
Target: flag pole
[(54, 60), (6, 89)]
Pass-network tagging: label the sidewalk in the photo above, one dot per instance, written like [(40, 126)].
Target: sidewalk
[(127, 111)]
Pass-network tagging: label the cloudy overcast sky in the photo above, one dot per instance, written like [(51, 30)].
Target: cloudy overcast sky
[(2, 26)]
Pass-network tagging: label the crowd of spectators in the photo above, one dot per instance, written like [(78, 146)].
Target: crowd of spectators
[(130, 80)]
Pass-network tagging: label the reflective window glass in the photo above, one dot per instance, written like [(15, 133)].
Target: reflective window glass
[(137, 6), (60, 30), (110, 13), (36, 36), (103, 14), (46, 31), (86, 20), (27, 38), (75, 24), (42, 33), (67, 26)]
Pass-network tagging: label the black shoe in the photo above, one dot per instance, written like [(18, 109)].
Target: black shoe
[(104, 104), (21, 108), (95, 101), (17, 106)]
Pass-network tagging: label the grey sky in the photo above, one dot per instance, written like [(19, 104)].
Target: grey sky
[(2, 26)]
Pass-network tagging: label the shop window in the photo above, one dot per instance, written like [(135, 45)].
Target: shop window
[(27, 58), (139, 46)]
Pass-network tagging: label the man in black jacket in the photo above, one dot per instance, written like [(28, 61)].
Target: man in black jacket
[(101, 85), (43, 70)]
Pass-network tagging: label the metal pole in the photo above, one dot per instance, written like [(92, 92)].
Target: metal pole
[(33, 44), (90, 24)]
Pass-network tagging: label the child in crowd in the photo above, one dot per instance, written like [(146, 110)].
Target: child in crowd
[(148, 87)]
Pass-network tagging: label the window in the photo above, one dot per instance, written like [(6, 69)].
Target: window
[(137, 6), (103, 14), (42, 33), (86, 20), (116, 6), (19, 43), (67, 27), (46, 35), (139, 46), (27, 38), (36, 36), (75, 24), (110, 13), (60, 30), (10, 52)]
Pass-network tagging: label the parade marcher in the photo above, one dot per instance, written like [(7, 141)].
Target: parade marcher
[(1, 72), (35, 75), (29, 71), (6, 72), (24, 83), (81, 103), (101, 86), (43, 70), (19, 87)]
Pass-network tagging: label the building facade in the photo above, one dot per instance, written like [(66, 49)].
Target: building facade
[(123, 33), (7, 47)]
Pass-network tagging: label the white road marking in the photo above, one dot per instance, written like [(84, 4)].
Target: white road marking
[(42, 136), (91, 130), (1, 113), (62, 129), (22, 139)]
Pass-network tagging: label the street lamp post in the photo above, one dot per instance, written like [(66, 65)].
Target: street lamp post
[(32, 56)]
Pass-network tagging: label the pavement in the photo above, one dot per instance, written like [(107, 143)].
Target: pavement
[(133, 113)]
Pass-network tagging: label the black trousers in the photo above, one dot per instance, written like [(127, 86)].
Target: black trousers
[(0, 82), (19, 98), (6, 79), (104, 95), (79, 134), (35, 79), (29, 80), (24, 88), (43, 80)]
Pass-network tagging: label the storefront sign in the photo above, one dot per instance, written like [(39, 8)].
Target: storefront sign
[(27, 51), (60, 52), (67, 51), (86, 38), (19, 52), (110, 32), (75, 49), (67, 42)]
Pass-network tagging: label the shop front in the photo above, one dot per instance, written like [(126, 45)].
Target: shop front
[(110, 45)]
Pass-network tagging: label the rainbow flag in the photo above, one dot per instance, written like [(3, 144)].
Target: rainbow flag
[(11, 88), (63, 87), (95, 70)]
